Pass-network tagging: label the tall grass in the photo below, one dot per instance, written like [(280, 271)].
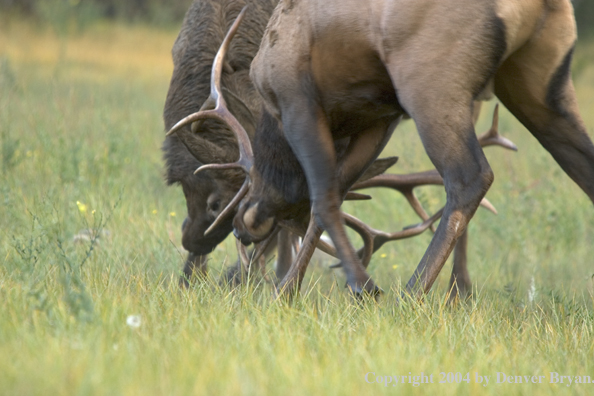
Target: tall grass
[(90, 238)]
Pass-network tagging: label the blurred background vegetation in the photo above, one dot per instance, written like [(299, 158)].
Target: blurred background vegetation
[(165, 12), (158, 12), (584, 14)]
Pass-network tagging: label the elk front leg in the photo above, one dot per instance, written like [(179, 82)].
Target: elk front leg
[(195, 264), (308, 134)]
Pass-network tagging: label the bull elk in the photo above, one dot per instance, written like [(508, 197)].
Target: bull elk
[(330, 70)]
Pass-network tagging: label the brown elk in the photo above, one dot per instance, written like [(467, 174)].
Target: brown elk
[(330, 70)]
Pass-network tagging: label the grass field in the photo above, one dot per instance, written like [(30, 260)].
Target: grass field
[(81, 129)]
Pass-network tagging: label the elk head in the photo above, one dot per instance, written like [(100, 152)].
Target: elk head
[(208, 140), (207, 193)]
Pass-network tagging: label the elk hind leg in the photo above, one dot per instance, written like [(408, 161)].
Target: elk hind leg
[(309, 136), (195, 266), (540, 94)]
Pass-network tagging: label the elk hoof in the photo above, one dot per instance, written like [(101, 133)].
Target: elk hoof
[(233, 277), (459, 295), (287, 290), (284, 295), (361, 292), (184, 283)]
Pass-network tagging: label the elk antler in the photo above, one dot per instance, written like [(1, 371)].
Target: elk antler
[(492, 136), (259, 250), (222, 113), (405, 184), (373, 239)]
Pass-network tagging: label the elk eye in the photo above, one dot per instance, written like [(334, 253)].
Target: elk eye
[(215, 206)]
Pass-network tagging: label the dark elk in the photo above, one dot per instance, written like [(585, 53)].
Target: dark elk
[(329, 70), (207, 193)]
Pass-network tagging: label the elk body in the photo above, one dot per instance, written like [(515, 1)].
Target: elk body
[(330, 70), (207, 193)]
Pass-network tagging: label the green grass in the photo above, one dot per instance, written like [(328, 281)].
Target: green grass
[(80, 130)]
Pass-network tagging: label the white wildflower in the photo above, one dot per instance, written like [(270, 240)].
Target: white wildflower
[(133, 321)]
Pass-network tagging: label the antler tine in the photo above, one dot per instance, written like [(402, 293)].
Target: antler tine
[(353, 196), (485, 203), (230, 206), (261, 247), (368, 235), (221, 112), (301, 231), (416, 205), (379, 238), (209, 104), (492, 136), (409, 231), (243, 255)]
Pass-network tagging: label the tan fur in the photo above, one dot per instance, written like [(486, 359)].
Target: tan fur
[(330, 69), (260, 230)]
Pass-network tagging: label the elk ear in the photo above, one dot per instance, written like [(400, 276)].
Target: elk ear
[(378, 167), (204, 150), (179, 162)]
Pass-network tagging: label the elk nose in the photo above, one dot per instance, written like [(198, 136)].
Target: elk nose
[(244, 238)]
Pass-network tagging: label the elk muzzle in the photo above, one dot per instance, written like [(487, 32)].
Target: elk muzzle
[(194, 240)]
